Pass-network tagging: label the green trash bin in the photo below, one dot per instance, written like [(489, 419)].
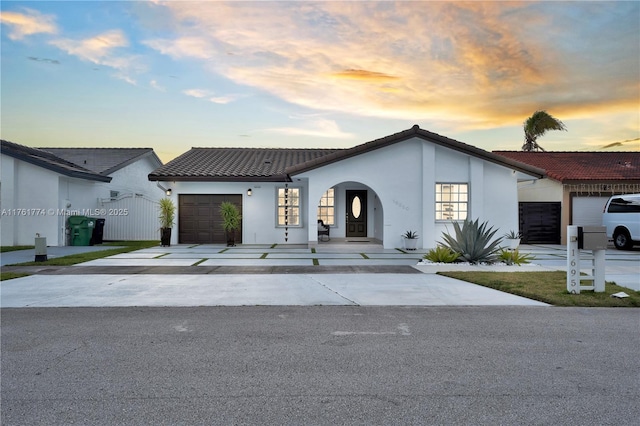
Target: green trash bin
[(81, 230)]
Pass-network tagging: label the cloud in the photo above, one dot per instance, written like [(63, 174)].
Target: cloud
[(154, 84), (47, 60), (629, 144), (203, 93), (97, 49), (364, 75), (477, 63), (224, 99), (322, 128), (185, 47), (28, 23), (196, 93), (104, 49)]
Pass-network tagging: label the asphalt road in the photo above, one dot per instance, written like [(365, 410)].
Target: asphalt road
[(320, 365)]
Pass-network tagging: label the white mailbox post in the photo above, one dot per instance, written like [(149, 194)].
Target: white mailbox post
[(593, 238)]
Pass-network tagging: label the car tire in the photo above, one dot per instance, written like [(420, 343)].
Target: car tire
[(622, 240)]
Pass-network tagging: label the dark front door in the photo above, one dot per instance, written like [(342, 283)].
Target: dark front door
[(356, 213), (200, 221)]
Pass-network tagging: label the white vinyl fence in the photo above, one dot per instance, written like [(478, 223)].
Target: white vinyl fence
[(130, 217)]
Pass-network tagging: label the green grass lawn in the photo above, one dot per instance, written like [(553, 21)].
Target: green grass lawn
[(120, 247), (4, 249), (12, 275), (548, 287)]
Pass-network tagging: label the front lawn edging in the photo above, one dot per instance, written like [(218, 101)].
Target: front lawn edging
[(546, 286)]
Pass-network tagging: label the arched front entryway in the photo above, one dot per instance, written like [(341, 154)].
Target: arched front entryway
[(353, 212)]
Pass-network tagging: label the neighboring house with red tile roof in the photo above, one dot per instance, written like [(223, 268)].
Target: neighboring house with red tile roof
[(42, 187), (412, 180), (574, 192)]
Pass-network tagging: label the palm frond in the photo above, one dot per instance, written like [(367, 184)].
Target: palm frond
[(537, 125)]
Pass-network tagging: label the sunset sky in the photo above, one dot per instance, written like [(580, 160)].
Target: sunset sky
[(182, 74)]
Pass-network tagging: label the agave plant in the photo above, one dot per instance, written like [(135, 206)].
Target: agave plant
[(473, 241), (410, 235)]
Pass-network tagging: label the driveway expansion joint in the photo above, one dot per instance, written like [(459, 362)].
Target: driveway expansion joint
[(352, 302), (193, 269)]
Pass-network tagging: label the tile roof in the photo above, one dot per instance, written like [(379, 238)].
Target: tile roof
[(49, 161), (569, 166), (103, 160), (235, 164)]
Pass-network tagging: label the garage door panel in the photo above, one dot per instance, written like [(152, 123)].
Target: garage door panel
[(587, 211), (188, 225), (187, 199), (540, 223), (199, 218), (203, 224)]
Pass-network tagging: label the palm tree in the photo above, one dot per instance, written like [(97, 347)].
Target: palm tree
[(536, 126)]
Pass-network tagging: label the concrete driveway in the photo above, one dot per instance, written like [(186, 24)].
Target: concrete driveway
[(207, 275)]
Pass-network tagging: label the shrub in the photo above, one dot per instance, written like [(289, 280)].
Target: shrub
[(514, 257), (230, 216), (441, 254), (167, 212), (473, 241)]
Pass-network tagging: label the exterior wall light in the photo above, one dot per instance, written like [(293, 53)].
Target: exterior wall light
[(249, 192), (168, 192)]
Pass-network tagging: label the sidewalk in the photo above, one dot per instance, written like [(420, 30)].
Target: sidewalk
[(250, 290)]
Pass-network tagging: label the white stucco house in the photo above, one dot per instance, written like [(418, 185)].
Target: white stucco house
[(41, 187), (412, 180)]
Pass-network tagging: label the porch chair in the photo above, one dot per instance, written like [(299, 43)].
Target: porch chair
[(323, 230)]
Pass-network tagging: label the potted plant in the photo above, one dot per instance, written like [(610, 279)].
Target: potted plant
[(167, 216), (410, 240), (230, 221), (512, 240)]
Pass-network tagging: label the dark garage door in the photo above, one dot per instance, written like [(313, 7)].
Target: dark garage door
[(199, 218), (540, 223)]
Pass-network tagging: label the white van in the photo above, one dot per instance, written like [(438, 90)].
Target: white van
[(621, 216)]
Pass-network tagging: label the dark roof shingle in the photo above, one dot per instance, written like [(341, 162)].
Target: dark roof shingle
[(103, 160), (569, 166), (235, 164), (50, 161)]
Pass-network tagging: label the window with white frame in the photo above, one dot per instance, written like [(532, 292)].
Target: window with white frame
[(289, 206), (326, 208), (452, 201)]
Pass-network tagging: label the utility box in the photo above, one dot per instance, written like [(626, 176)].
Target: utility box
[(592, 238), (41, 249)]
